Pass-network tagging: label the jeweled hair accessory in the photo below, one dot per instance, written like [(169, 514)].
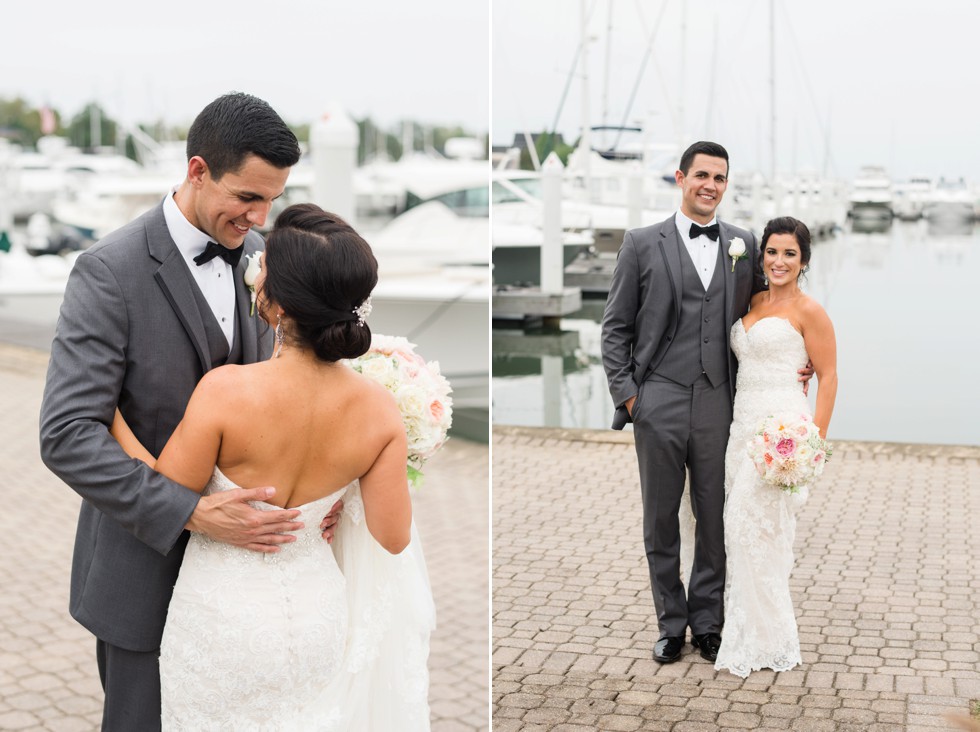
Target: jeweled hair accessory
[(362, 311)]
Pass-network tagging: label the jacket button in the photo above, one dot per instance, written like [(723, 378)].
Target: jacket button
[(705, 340)]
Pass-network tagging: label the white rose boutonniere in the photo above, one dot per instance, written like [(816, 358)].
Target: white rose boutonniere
[(736, 250), (253, 266)]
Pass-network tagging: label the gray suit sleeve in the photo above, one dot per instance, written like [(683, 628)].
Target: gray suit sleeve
[(85, 375), (619, 324)]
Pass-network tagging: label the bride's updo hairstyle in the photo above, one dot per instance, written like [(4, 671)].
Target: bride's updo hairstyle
[(789, 225), (319, 271)]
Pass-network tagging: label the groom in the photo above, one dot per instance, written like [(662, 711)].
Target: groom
[(147, 312), (675, 294)]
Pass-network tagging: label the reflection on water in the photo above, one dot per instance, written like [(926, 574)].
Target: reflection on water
[(905, 306)]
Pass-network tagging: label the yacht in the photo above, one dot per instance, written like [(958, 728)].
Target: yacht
[(949, 202), (871, 196), (911, 197)]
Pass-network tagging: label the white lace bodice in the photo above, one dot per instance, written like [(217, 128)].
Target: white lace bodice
[(769, 358)]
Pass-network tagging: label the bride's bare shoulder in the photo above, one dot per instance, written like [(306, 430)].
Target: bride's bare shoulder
[(374, 396), (757, 298), (812, 313), (229, 383)]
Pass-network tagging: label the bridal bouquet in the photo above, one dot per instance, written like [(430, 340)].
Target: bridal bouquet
[(788, 451), (422, 394)]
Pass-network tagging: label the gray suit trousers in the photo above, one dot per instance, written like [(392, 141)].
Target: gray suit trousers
[(131, 682), (676, 426)]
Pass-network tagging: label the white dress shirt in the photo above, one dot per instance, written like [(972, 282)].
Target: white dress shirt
[(703, 251), (214, 277)]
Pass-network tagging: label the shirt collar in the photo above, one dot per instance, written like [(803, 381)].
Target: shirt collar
[(190, 240)]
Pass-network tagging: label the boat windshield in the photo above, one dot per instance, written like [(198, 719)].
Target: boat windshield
[(468, 202), (504, 191)]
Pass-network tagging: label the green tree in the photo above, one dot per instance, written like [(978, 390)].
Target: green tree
[(21, 123), (371, 135), (545, 143), (92, 127)]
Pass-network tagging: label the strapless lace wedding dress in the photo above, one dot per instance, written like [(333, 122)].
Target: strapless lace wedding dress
[(315, 637), (760, 520)]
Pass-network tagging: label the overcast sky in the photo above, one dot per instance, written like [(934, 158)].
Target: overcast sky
[(857, 81), (424, 59)]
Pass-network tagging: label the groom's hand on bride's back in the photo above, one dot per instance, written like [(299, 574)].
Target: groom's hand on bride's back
[(227, 517), (329, 523), (806, 373)]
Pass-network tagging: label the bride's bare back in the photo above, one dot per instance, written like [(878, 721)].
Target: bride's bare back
[(304, 426)]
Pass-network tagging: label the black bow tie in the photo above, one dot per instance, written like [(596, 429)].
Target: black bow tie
[(709, 231), (212, 250)]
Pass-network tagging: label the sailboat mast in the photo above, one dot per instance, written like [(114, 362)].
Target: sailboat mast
[(585, 143), (772, 92)]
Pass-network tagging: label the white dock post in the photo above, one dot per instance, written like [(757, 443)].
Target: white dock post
[(552, 259), (551, 384), (333, 145), (634, 196)]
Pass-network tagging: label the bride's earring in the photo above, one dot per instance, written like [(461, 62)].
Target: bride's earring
[(279, 336)]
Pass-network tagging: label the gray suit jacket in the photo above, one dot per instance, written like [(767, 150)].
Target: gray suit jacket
[(640, 318), (130, 334)]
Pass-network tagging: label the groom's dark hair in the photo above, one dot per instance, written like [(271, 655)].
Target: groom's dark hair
[(236, 125), (702, 147)]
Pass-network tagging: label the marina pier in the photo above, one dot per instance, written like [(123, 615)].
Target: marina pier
[(885, 588)]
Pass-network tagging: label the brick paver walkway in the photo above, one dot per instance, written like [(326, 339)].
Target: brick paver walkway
[(48, 676), (886, 587)]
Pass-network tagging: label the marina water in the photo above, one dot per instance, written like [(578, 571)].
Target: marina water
[(905, 303)]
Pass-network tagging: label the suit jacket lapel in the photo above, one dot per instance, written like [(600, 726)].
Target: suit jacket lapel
[(669, 246), (175, 281)]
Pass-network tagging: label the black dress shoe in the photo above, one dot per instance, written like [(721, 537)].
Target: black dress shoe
[(668, 649), (709, 643)]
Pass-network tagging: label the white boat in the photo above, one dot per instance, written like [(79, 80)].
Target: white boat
[(871, 196), (31, 181), (949, 202), (103, 203), (517, 199), (445, 311), (752, 200), (434, 287), (911, 197), (517, 252), (385, 187), (32, 288)]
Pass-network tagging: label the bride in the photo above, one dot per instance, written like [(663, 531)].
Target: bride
[(314, 637), (782, 330)]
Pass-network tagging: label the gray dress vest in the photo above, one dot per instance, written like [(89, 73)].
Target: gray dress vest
[(700, 344), (217, 343)]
